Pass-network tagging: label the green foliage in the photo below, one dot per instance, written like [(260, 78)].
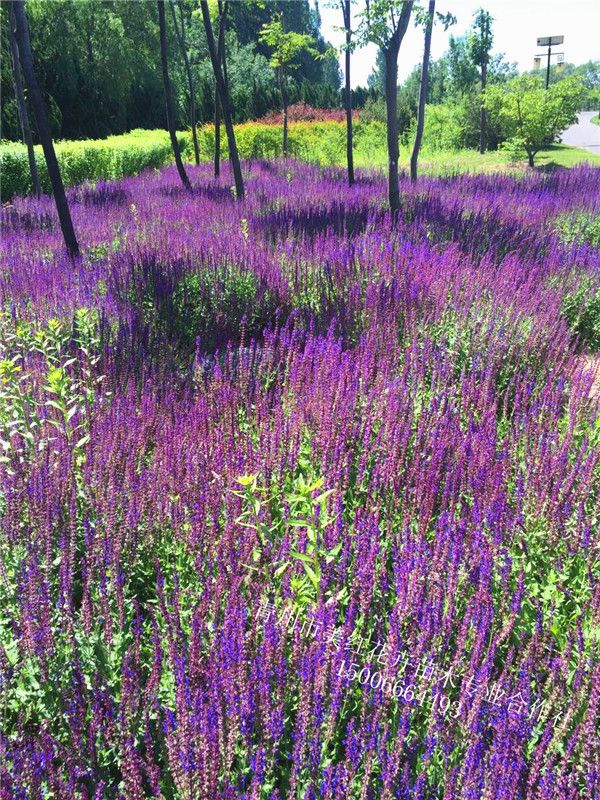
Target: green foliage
[(99, 71), (97, 65), (285, 45), (582, 228), (588, 73), (215, 304), (562, 593), (460, 69), (62, 405), (379, 21), (319, 142), (480, 40), (87, 160), (513, 149), (373, 110), (581, 308), (308, 513), (530, 115), (445, 128)]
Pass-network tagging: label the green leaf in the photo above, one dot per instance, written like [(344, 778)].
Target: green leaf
[(335, 551), (59, 406), (281, 569), (323, 496), (311, 574), (302, 557), (246, 480)]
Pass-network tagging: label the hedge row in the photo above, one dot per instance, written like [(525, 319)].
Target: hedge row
[(319, 142), (117, 156), (91, 160), (323, 142)]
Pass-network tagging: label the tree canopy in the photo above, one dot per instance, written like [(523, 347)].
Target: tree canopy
[(107, 51), (533, 117)]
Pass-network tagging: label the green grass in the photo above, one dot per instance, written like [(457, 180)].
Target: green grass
[(596, 120), (440, 162), (561, 155)]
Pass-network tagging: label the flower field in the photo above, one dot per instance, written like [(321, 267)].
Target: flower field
[(297, 500)]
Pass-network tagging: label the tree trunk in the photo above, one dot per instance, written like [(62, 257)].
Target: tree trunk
[(22, 106), (64, 215), (221, 60), (168, 99), (391, 109), (414, 158), (225, 106), (284, 102), (217, 154), (391, 104), (190, 78), (483, 112), (349, 151), (530, 157)]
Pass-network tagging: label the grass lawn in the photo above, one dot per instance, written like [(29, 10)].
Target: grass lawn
[(596, 120), (561, 155), (442, 162)]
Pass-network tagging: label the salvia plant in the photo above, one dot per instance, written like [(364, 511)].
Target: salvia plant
[(297, 500)]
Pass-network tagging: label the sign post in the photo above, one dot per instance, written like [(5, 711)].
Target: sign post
[(549, 42)]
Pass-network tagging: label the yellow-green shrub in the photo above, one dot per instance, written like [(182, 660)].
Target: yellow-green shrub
[(322, 143), (101, 159)]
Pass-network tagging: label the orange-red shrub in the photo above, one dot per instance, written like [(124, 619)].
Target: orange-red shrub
[(302, 112)]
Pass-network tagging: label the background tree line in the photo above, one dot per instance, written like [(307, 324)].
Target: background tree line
[(454, 86), (106, 52)]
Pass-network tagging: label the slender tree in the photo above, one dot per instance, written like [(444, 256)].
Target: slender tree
[(180, 33), (285, 46), (346, 12), (384, 23), (222, 9), (447, 20), (21, 33), (422, 92), (168, 98), (223, 92), (480, 44), (22, 106)]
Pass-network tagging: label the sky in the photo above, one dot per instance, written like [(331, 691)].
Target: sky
[(517, 25)]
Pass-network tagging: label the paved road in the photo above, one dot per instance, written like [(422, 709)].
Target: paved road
[(584, 133)]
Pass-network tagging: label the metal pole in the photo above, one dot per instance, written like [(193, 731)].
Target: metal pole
[(548, 67)]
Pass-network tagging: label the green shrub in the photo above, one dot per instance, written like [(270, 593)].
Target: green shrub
[(582, 228), (213, 305), (514, 149), (91, 160), (319, 142), (581, 308), (444, 128)]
